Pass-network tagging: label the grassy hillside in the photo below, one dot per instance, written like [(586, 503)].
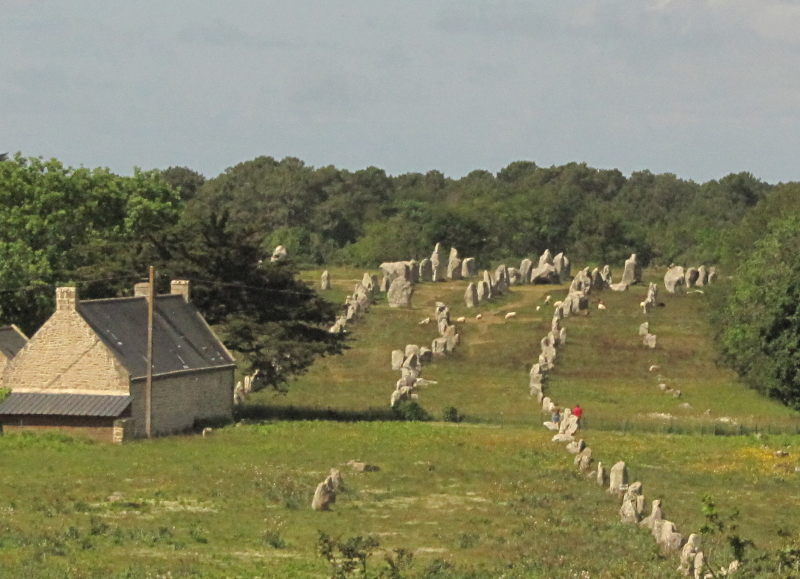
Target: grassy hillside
[(487, 497)]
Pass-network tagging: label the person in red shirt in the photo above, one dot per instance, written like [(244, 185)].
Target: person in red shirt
[(577, 412)]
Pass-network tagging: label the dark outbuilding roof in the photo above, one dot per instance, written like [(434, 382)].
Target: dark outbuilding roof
[(11, 341), (29, 403), (181, 338)]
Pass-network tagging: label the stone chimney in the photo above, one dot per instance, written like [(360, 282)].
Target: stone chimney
[(181, 287), (141, 289), (66, 299)]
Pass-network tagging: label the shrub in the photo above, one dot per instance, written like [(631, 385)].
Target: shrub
[(450, 414), (412, 411)]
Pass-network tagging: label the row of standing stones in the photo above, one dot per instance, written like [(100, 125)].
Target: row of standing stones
[(665, 532), (549, 270)]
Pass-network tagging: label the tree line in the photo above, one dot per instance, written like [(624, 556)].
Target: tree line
[(100, 230)]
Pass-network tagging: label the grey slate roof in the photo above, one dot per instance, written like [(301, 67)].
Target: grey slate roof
[(25, 403), (11, 341), (181, 338)]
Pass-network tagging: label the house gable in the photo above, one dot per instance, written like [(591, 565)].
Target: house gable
[(66, 356)]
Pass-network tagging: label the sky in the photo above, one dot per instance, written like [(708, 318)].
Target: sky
[(698, 88)]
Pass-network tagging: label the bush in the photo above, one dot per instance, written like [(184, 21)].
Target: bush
[(450, 414), (411, 410)]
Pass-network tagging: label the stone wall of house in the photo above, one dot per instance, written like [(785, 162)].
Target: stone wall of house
[(181, 398), (66, 356)]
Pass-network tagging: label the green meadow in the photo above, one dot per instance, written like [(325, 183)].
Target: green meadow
[(489, 496)]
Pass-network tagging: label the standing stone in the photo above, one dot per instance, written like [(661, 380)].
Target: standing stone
[(325, 281), (606, 274), (489, 290), (631, 510), (425, 355), (691, 276), (454, 265), (712, 274), (514, 278), (501, 279), (370, 283), (649, 340), (525, 268), (279, 254), (413, 270), (411, 350), (400, 292), (669, 539), (602, 476), (324, 495), (395, 269), (633, 271), (439, 346), (438, 263), (471, 296), (562, 266), (545, 273), (644, 328), (618, 478), (584, 460), (656, 514), (546, 258), (385, 284), (702, 276), (689, 555), (468, 268), (397, 359), (425, 270), (674, 279)]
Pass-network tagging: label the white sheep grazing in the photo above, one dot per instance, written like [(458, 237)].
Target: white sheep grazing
[(478, 316), (424, 322), (547, 299), (538, 308), (510, 315), (601, 306), (461, 319)]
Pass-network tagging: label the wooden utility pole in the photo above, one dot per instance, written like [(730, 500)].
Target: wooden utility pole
[(148, 388)]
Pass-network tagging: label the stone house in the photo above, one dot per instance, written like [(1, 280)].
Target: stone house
[(85, 370), (12, 340)]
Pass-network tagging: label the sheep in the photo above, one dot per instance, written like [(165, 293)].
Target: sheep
[(510, 315), (424, 322), (601, 306), (538, 308), (547, 299), (478, 316), (461, 319)]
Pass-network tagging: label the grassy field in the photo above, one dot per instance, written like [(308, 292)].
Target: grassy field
[(487, 497)]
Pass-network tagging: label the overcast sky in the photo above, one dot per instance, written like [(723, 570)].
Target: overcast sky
[(699, 88)]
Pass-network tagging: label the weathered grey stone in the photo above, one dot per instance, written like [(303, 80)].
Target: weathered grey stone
[(439, 345), (674, 279), (689, 555), (598, 283), (545, 259), (425, 270), (702, 276), (545, 274), (551, 426), (632, 502), (618, 287), (644, 328), (438, 263), (500, 280), (468, 267), (395, 269), (632, 273), (452, 338), (361, 466), (425, 355), (325, 281), (690, 276), (562, 336), (411, 349), (563, 437), (489, 283), (525, 268), (454, 265), (397, 359), (562, 266), (547, 405), (324, 495), (413, 270), (576, 446), (618, 478), (670, 540), (279, 254), (656, 514), (606, 275), (471, 296), (649, 340), (400, 292), (514, 277), (712, 274), (601, 476), (582, 281), (584, 460)]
